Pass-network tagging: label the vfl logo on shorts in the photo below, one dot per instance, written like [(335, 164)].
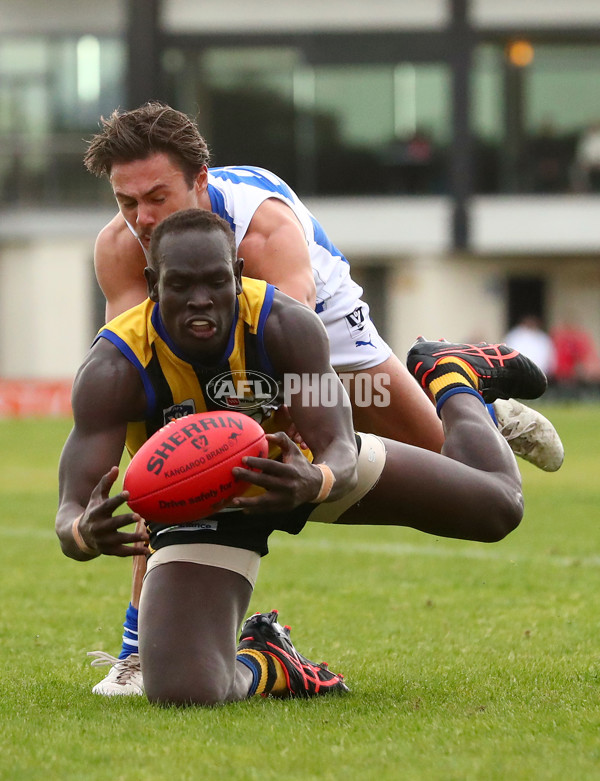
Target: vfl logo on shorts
[(242, 391), (177, 411), (356, 322)]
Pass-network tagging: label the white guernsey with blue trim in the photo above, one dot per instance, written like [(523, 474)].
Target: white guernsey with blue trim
[(235, 194)]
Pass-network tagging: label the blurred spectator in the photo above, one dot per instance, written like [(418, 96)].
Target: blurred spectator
[(577, 369), (410, 163), (529, 337), (549, 166), (587, 160)]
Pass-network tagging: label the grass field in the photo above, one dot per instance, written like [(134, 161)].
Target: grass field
[(466, 661)]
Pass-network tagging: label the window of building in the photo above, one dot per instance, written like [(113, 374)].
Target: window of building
[(327, 129), (536, 120), (52, 93)]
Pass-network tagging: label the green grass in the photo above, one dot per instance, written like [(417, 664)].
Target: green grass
[(466, 661)]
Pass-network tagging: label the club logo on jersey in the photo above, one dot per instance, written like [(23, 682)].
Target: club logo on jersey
[(242, 391), (356, 322), (177, 411)]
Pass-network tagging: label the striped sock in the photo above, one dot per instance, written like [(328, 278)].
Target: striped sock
[(255, 668), (130, 635), (280, 685), (449, 376), (268, 673)]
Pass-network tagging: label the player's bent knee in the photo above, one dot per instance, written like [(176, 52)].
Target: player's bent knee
[(505, 514), (185, 674), (206, 692)]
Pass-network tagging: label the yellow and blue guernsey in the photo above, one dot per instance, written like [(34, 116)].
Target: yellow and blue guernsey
[(243, 380), (176, 387)]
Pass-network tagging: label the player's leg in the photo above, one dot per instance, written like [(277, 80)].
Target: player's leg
[(357, 350), (385, 399), (473, 490), (190, 615), (406, 414), (409, 417)]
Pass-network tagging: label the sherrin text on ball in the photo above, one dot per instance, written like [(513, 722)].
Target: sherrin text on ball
[(183, 470)]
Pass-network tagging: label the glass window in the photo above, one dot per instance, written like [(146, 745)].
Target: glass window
[(349, 129), (243, 99), (487, 116), (52, 93), (535, 124), (561, 118), (389, 128)]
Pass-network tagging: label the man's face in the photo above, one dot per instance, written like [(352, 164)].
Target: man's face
[(196, 286), (149, 190)]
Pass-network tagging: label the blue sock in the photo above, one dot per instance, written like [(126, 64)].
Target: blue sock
[(130, 635), (492, 411), (255, 670), (443, 397)]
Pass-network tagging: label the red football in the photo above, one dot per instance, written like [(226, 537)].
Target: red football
[(184, 469)]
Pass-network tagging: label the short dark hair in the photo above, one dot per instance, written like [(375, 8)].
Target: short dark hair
[(189, 219), (135, 135)]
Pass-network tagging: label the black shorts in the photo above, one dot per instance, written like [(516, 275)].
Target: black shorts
[(233, 528), (237, 529)]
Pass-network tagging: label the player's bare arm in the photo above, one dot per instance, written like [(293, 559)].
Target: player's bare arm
[(107, 393), (275, 249), (327, 431), (119, 263)]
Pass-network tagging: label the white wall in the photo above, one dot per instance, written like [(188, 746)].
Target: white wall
[(385, 225), (445, 297), (463, 298), (81, 16), (499, 224), (436, 292), (530, 224), (28, 17), (45, 307), (574, 295), (537, 13), (297, 15)]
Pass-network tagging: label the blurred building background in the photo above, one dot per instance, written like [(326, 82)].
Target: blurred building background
[(451, 148)]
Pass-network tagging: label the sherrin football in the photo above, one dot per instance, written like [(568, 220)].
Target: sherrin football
[(183, 470)]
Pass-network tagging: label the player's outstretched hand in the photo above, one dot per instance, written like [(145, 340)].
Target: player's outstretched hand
[(99, 528), (289, 482)]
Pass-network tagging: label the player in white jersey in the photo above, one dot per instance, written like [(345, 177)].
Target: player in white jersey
[(157, 163), (235, 193)]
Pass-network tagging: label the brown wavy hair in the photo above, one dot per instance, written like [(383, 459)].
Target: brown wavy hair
[(135, 135)]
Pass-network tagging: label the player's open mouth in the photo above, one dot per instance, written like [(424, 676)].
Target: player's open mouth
[(201, 328)]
